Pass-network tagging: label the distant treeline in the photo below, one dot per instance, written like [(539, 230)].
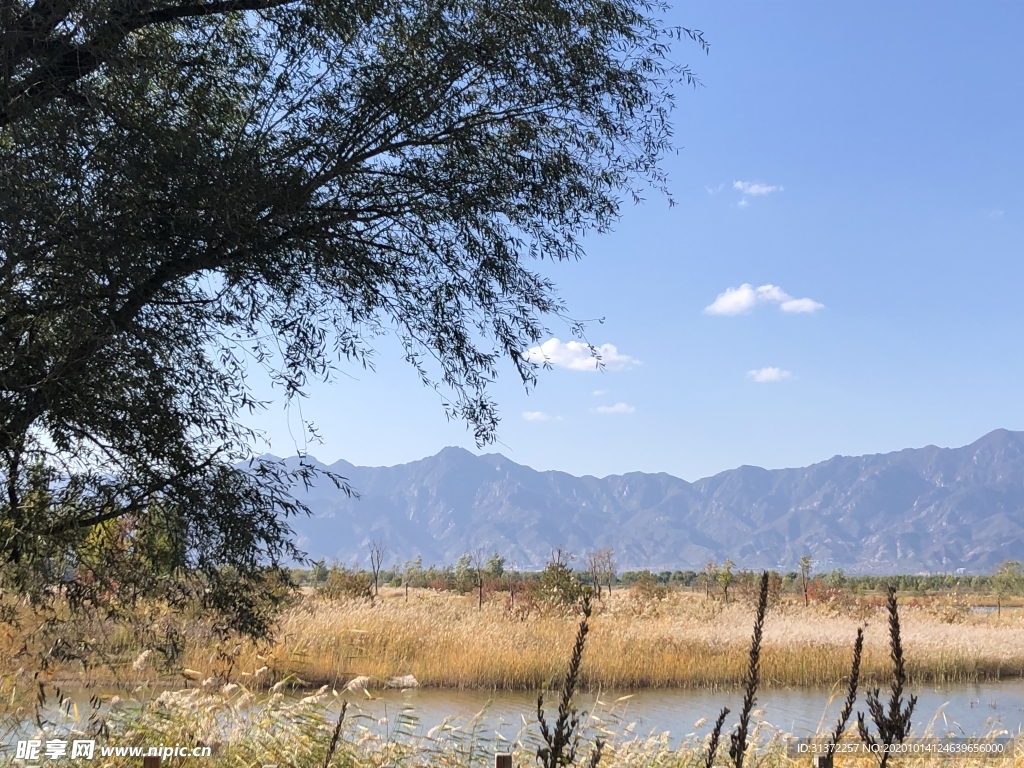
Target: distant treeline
[(471, 570)]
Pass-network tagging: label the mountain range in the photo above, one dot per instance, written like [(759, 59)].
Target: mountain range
[(920, 510)]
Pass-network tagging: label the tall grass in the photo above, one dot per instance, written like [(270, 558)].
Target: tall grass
[(243, 730), (682, 641)]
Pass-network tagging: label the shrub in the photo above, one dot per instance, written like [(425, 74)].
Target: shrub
[(559, 586), (346, 583), (646, 587)]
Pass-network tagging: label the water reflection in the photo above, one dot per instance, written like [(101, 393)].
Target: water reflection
[(952, 711)]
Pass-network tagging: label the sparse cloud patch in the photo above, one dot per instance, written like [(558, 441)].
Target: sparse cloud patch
[(766, 375), (801, 305), (536, 416), (577, 356), (599, 392), (756, 188), (737, 301), (617, 408)]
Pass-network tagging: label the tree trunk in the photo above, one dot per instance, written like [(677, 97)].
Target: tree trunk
[(480, 596)]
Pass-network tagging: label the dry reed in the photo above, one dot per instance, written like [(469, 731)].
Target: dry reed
[(682, 641)]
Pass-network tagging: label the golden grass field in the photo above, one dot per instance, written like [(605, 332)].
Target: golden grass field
[(442, 639), (685, 640)]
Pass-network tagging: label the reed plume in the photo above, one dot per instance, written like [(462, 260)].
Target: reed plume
[(892, 722), (738, 738), (563, 742)]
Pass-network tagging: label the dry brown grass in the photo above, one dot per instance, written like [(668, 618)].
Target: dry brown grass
[(683, 641)]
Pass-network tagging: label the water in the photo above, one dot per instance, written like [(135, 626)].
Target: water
[(963, 710)]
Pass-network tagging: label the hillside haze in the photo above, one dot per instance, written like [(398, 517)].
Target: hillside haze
[(917, 510)]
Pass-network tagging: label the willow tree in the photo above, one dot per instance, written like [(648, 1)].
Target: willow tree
[(194, 191)]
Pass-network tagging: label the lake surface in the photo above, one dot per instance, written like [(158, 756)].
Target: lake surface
[(964, 710)]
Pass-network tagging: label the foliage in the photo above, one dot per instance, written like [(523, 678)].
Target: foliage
[(559, 585), (347, 583), (1007, 580), (464, 575), (495, 566), (194, 191), (647, 587), (726, 578), (748, 586)]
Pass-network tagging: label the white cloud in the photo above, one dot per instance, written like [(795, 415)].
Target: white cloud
[(599, 392), (536, 416), (577, 356), (736, 301), (801, 305), (733, 301), (743, 203), (617, 408), (756, 188), (772, 293), (762, 375)]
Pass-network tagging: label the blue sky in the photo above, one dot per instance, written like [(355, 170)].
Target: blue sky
[(864, 156)]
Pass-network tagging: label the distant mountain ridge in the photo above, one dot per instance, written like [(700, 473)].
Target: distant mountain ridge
[(916, 510)]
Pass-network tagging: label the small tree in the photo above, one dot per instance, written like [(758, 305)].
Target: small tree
[(411, 570), (318, 573), (480, 564), (600, 565), (558, 583), (806, 565), (1006, 581), (464, 575), (560, 555), (495, 566), (710, 576), (512, 575), (377, 550), (593, 560), (726, 577)]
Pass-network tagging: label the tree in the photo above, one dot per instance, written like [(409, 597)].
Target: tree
[(601, 564), (318, 573), (480, 567), (593, 560), (1007, 580), (710, 572), (806, 565), (558, 583), (377, 551), (609, 568), (726, 577), (411, 570), (464, 574), (495, 566), (194, 190), (561, 556)]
